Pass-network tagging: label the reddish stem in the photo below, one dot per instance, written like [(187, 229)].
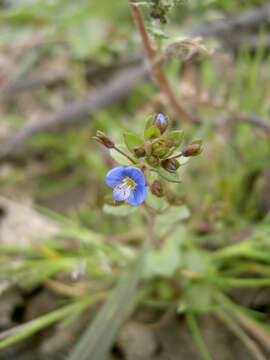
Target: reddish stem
[(124, 154), (175, 156), (157, 70)]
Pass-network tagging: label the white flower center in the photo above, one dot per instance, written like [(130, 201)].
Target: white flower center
[(123, 190)]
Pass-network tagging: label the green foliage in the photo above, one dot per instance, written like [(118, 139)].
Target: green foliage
[(166, 260), (152, 132), (176, 136), (132, 140), (156, 203), (122, 210), (148, 124), (169, 176)]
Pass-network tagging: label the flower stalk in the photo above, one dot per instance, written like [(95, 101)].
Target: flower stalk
[(124, 154), (157, 70)]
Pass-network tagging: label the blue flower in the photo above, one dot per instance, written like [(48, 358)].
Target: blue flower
[(161, 118), (127, 183), (161, 122)]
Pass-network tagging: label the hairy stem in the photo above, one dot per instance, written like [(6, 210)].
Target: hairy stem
[(175, 156), (124, 154), (157, 70)]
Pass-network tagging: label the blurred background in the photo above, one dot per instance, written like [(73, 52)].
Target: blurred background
[(69, 68)]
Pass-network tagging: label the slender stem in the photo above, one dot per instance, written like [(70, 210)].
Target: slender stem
[(150, 226), (124, 154), (240, 333), (254, 328), (175, 156), (157, 70)]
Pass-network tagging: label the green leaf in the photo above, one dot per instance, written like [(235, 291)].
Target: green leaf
[(121, 210), (132, 140), (176, 136), (199, 141), (193, 261), (121, 159), (172, 177), (30, 328), (171, 217), (197, 297), (156, 203), (152, 132), (165, 261), (148, 124), (156, 32), (183, 160)]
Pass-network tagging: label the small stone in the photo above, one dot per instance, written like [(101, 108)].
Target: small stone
[(137, 341)]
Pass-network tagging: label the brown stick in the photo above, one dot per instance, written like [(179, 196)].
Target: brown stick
[(157, 70), (74, 113)]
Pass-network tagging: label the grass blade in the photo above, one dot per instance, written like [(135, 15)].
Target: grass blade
[(98, 338), (191, 321)]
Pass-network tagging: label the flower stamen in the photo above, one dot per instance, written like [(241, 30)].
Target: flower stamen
[(123, 190)]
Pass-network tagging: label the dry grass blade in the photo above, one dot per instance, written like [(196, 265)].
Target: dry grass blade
[(254, 328), (240, 333)]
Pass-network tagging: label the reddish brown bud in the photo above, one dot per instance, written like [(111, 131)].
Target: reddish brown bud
[(139, 151), (156, 188), (192, 150), (104, 139), (170, 165)]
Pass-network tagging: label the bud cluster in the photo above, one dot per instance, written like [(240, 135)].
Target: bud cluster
[(159, 11), (155, 154), (159, 147)]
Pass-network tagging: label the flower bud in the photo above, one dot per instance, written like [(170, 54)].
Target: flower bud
[(161, 122), (170, 165), (139, 151), (148, 148), (192, 150), (153, 160), (156, 188), (159, 147), (175, 199), (104, 139)]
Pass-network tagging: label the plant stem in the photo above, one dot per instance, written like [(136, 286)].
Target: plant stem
[(150, 217), (192, 324), (240, 333), (124, 154), (175, 156), (157, 70)]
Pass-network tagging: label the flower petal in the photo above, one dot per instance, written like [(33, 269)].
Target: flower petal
[(161, 118), (138, 195), (121, 192), (136, 175), (115, 176)]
